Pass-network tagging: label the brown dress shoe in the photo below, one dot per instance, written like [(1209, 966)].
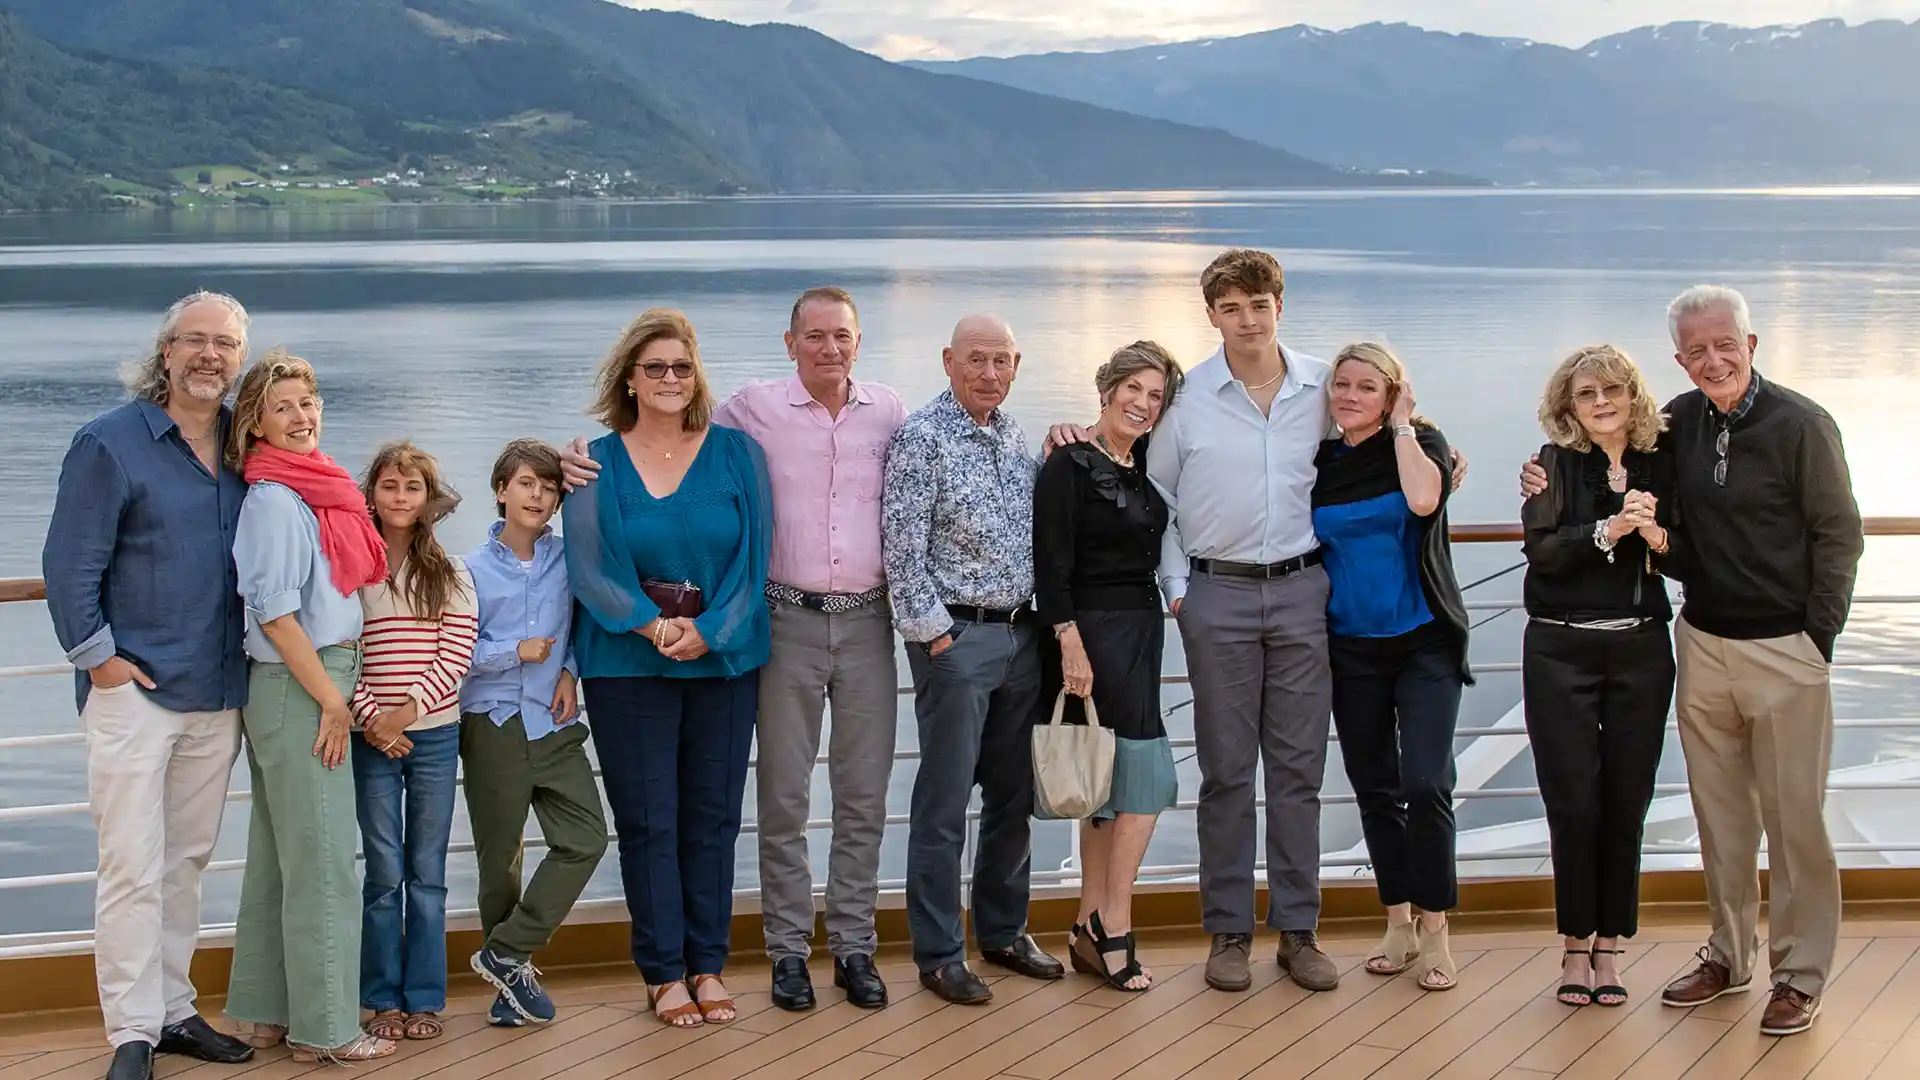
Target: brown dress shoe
[(1300, 957), (1229, 967), (1790, 1012), (1706, 982)]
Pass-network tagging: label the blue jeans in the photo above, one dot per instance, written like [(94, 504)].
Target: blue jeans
[(406, 817)]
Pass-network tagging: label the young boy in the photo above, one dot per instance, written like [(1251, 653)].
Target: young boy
[(523, 747)]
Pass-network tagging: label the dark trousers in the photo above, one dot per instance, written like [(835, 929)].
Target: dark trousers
[(673, 756), (974, 708), (1596, 705), (1395, 704)]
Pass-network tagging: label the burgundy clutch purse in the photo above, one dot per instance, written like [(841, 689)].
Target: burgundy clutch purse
[(675, 599)]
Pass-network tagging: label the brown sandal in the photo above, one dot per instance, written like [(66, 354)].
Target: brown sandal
[(708, 1008), (423, 1026), (674, 1016), (388, 1024)]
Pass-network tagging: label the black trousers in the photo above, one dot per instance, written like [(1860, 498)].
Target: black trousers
[(1396, 702), (1596, 704)]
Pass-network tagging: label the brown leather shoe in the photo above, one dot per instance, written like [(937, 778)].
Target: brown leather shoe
[(1706, 982), (1790, 1012), (1229, 967), (1300, 957)]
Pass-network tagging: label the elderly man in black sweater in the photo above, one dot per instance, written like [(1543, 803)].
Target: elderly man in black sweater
[(1767, 540)]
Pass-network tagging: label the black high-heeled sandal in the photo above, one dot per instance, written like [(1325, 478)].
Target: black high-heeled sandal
[(1082, 963), (1106, 944), (1611, 990), (1574, 994)]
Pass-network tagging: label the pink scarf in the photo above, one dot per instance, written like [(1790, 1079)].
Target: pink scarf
[(352, 544)]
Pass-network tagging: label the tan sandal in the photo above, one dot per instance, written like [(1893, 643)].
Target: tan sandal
[(1397, 951), (388, 1024), (680, 1016), (719, 1004), (423, 1026), (262, 1036), (362, 1048), (1435, 963)]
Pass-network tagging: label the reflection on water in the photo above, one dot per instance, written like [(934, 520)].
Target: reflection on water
[(464, 326)]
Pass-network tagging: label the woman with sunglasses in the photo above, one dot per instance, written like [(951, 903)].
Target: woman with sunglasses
[(667, 557), (1597, 667)]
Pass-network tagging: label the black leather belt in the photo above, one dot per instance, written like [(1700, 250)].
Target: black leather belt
[(969, 613), (1219, 568), (828, 603)]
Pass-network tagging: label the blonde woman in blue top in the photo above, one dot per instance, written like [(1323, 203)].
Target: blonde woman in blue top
[(667, 555)]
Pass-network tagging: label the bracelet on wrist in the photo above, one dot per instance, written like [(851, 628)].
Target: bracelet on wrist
[(1060, 629), (1403, 431), (1601, 539)]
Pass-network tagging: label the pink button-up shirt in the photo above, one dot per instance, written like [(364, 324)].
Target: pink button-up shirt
[(827, 474)]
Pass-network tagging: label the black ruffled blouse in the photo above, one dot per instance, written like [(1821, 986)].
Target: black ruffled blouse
[(1096, 534)]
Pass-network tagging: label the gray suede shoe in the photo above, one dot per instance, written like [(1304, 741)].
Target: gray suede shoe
[(1230, 967)]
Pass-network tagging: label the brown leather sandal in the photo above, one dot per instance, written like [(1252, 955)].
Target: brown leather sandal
[(708, 1008), (388, 1024), (680, 1016), (423, 1026)]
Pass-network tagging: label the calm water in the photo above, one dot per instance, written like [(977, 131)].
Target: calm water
[(464, 327)]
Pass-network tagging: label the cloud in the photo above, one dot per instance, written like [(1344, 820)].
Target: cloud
[(939, 29)]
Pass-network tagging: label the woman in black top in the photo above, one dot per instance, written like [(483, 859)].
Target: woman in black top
[(1097, 525), (1597, 668)]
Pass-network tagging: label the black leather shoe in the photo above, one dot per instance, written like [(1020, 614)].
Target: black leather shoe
[(956, 984), (1023, 957), (858, 977), (792, 986), (132, 1061), (194, 1037)]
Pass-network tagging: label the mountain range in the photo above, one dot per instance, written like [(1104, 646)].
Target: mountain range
[(664, 102), (1679, 103)]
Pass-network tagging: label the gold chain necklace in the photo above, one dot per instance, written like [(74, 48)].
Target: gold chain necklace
[(1277, 376)]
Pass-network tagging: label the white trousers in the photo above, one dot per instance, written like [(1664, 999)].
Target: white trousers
[(157, 784)]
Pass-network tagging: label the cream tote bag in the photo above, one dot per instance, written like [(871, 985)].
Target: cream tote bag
[(1072, 764)]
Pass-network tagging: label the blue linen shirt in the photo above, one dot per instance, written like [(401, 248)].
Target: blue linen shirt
[(518, 603), (139, 560), (1240, 482), (714, 531), (284, 571), (1372, 551)]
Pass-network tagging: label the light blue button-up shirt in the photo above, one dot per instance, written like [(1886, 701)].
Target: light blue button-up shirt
[(518, 603), (1240, 483), (283, 571)]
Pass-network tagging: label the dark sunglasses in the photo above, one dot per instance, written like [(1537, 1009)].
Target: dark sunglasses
[(658, 370)]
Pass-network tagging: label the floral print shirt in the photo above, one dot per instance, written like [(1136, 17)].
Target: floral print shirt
[(957, 517)]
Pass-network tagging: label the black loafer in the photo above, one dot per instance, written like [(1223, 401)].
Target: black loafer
[(1023, 957), (858, 977), (194, 1037), (792, 986), (132, 1061), (956, 984)]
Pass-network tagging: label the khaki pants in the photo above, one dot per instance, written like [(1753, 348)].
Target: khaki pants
[(1756, 723)]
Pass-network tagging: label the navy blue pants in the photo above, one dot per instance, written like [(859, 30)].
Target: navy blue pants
[(673, 756), (1396, 702)]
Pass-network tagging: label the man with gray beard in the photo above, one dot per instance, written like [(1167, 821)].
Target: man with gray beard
[(142, 591)]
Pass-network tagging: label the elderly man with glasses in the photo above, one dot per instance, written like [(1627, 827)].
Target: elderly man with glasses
[(1769, 539), (142, 590)]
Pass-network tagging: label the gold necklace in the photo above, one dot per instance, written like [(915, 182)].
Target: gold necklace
[(1101, 441), (1277, 376), (667, 454)]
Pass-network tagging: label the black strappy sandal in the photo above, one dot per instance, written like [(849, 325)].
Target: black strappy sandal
[(1117, 979), (1611, 990), (1082, 963), (1573, 994)]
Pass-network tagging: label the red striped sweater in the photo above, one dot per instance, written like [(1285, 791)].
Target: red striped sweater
[(407, 657)]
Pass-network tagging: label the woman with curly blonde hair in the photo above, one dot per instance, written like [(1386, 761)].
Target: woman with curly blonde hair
[(1598, 668)]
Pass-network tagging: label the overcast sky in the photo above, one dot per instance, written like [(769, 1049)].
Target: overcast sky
[(948, 29)]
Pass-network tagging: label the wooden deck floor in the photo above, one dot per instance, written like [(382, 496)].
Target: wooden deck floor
[(1501, 1023)]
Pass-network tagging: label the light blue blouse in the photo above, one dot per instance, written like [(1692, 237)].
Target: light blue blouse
[(283, 571)]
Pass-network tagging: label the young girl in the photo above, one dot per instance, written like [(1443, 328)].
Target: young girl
[(418, 643)]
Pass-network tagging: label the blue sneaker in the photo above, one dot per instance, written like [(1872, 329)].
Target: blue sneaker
[(502, 1014), (518, 982)]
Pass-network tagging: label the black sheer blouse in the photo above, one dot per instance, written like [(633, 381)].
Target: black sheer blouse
[(1096, 534), (1568, 577)]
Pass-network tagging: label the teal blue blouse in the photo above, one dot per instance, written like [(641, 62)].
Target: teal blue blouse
[(715, 530)]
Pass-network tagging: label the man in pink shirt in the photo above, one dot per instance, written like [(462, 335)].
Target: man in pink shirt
[(825, 438)]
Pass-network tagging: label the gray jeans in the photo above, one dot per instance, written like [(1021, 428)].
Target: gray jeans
[(1262, 694), (845, 658), (974, 704)]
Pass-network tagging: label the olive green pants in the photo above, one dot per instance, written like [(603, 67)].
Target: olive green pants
[(296, 948)]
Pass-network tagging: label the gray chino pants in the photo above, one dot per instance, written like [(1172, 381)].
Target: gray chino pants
[(1262, 695), (846, 659)]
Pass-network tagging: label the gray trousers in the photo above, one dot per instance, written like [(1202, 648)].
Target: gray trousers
[(974, 705), (1262, 694), (845, 658)]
